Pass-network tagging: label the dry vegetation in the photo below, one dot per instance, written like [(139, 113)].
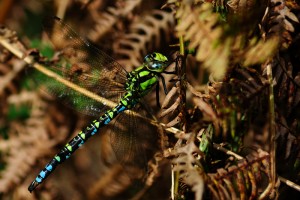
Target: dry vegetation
[(230, 117)]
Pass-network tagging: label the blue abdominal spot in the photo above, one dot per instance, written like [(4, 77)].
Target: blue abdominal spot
[(107, 121), (49, 168), (122, 109), (42, 174), (37, 179), (94, 131)]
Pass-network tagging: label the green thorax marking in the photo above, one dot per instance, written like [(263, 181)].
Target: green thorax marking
[(140, 81)]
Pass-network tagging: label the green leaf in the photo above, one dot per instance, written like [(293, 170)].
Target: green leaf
[(18, 112), (45, 49), (4, 132)]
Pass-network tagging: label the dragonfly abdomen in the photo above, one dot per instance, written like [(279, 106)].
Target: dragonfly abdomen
[(138, 84), (78, 141)]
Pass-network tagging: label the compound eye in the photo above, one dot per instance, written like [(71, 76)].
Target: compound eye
[(150, 57), (147, 58), (155, 62), (156, 65)]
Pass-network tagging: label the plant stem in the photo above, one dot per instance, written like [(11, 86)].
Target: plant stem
[(272, 125)]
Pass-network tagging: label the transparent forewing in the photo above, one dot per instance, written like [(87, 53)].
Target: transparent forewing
[(85, 66), (134, 141)]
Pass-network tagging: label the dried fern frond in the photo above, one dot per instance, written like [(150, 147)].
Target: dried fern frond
[(287, 83), (244, 180), (246, 13), (199, 26), (145, 35), (105, 21), (171, 105), (27, 143), (280, 22), (186, 163), (8, 74), (218, 45)]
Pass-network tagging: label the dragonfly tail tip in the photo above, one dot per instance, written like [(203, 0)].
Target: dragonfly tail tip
[(32, 186)]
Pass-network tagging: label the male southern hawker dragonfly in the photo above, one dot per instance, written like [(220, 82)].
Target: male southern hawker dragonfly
[(97, 72)]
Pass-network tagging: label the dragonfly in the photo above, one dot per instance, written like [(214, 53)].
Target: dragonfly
[(94, 70)]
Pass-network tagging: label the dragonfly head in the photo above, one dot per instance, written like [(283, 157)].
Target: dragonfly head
[(156, 62)]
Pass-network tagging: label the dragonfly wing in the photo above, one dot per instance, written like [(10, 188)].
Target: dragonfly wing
[(86, 66), (134, 141)]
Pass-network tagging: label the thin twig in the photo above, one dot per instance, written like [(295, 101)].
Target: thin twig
[(290, 183), (182, 94), (272, 125), (62, 7), (173, 184), (228, 152)]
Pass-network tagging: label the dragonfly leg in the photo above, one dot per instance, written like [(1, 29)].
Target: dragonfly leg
[(157, 96), (164, 84)]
